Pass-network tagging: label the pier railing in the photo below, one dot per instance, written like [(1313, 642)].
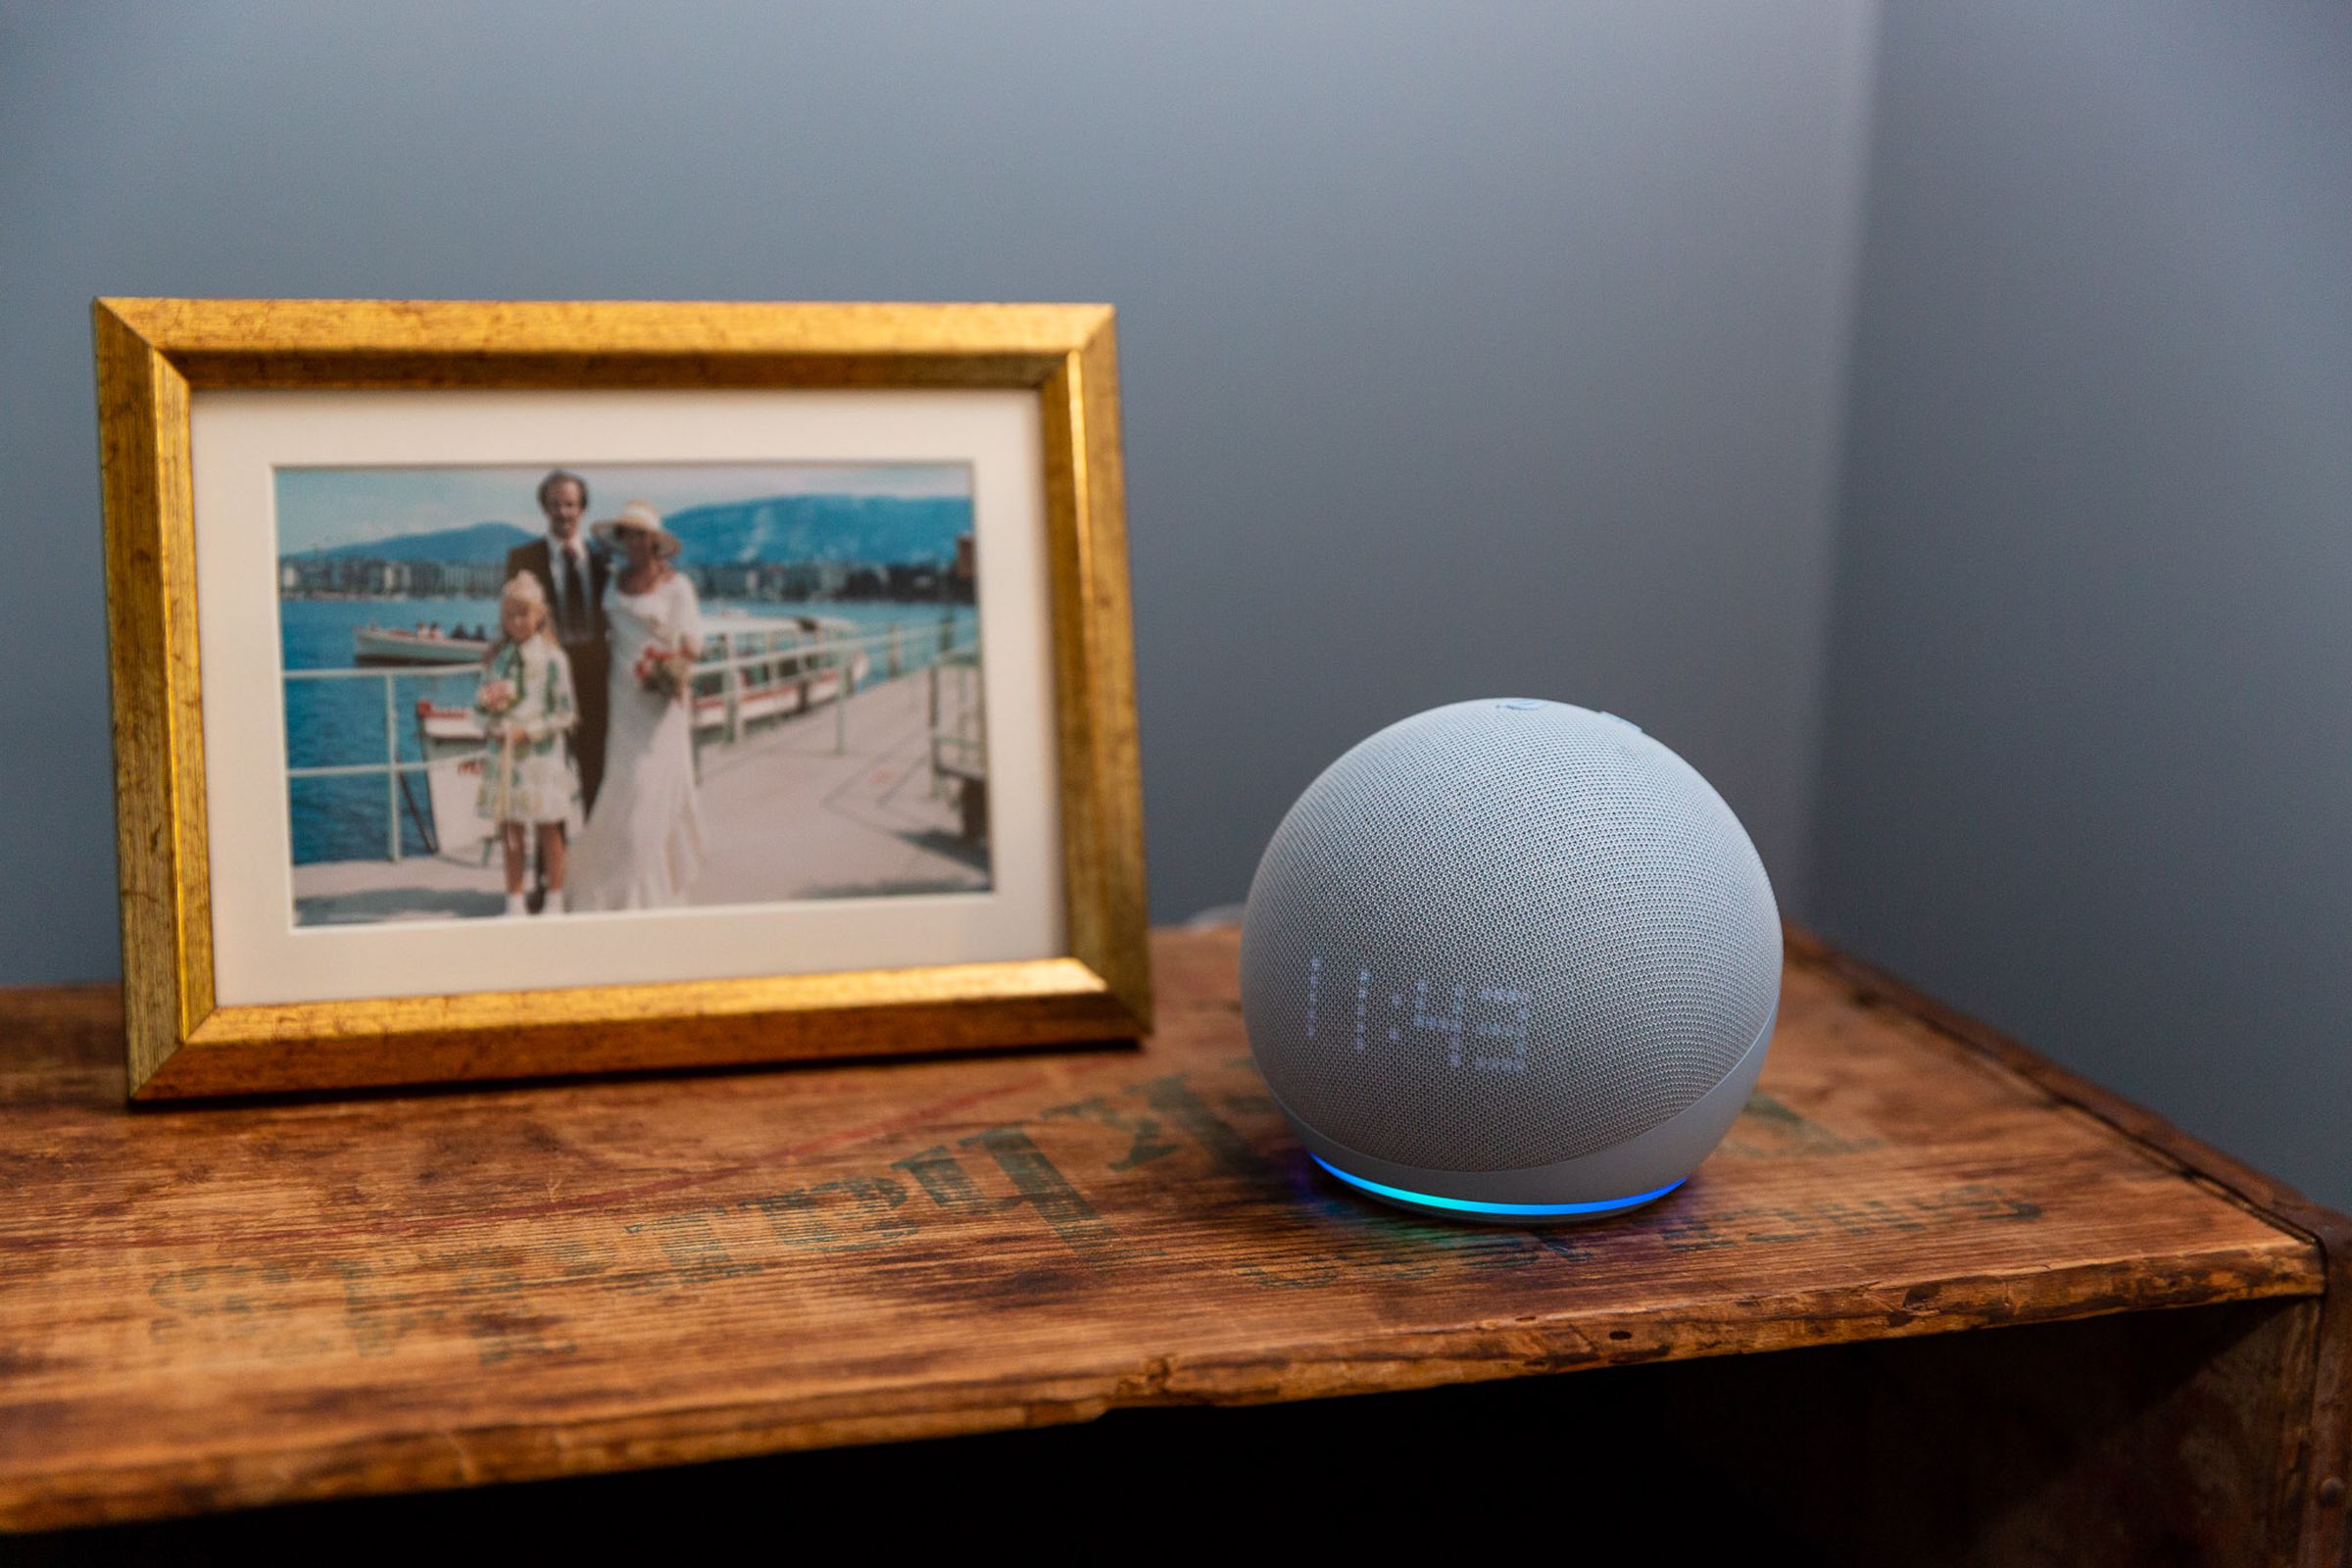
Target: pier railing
[(898, 646), (958, 718), (393, 767)]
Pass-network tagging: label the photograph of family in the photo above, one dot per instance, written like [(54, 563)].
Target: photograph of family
[(572, 690)]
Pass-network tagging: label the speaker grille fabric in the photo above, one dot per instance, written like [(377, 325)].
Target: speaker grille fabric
[(1502, 934)]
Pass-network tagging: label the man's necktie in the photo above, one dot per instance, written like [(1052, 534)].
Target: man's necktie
[(574, 620)]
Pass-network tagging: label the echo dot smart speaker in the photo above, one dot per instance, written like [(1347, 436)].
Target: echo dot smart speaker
[(1510, 961)]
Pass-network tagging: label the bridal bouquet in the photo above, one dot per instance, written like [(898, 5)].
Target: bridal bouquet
[(495, 697), (664, 670)]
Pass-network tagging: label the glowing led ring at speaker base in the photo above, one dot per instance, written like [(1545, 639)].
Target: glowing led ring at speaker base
[(1471, 1207)]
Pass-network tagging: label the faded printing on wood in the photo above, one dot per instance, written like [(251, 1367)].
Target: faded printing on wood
[(228, 1305)]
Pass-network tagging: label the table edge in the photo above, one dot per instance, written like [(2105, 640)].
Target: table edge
[(2326, 1531), (1464, 1353)]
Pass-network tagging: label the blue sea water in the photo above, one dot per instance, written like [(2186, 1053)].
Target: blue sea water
[(338, 722)]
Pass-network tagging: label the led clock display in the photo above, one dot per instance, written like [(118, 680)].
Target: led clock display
[(1466, 1027)]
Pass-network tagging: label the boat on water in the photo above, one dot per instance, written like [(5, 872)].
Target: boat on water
[(390, 645), (754, 669)]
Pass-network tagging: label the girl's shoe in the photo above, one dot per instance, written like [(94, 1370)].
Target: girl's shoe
[(518, 905)]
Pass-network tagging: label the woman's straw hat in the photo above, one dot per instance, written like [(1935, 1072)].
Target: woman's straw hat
[(639, 517)]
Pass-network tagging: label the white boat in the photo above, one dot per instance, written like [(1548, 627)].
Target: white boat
[(454, 753), (389, 644)]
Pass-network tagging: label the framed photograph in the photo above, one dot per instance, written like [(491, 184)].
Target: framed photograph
[(504, 690)]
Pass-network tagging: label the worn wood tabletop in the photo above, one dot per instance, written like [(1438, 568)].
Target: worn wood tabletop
[(210, 1307)]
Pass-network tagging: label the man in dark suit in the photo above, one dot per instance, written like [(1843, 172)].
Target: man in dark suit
[(573, 576)]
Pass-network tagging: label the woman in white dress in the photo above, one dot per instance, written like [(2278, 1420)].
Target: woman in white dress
[(644, 841)]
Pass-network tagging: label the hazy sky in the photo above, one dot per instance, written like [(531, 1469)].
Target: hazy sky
[(318, 509)]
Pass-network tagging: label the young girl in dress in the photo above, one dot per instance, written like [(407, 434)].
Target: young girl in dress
[(527, 709)]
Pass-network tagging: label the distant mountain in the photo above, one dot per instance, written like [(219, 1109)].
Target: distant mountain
[(786, 528), (882, 529), (480, 541)]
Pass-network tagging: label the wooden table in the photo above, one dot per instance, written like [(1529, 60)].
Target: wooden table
[(208, 1307)]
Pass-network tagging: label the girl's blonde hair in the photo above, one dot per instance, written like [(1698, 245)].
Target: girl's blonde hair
[(524, 587)]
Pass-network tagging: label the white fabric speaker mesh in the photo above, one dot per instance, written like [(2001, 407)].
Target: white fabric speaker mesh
[(1503, 934)]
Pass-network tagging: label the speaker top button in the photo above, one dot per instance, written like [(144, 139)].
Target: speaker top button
[(1518, 704)]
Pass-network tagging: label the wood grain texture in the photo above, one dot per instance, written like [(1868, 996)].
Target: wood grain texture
[(2321, 1471), (209, 1307), (151, 353), (2118, 1441)]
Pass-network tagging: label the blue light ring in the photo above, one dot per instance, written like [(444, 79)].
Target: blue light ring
[(1695, 1129), (1468, 1205)]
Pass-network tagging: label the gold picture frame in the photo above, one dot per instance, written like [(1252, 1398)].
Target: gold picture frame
[(156, 356)]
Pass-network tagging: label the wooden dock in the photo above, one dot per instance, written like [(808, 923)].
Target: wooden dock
[(785, 817)]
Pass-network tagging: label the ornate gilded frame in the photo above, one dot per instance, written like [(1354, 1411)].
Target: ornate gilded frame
[(154, 355)]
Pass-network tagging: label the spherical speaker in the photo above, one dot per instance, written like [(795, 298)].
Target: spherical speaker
[(1510, 961)]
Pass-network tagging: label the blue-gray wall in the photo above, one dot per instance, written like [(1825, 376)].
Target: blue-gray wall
[(2087, 762), (1466, 348)]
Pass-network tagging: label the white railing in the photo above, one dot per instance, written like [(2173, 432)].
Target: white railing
[(826, 656), (392, 767), (958, 736), (900, 646)]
